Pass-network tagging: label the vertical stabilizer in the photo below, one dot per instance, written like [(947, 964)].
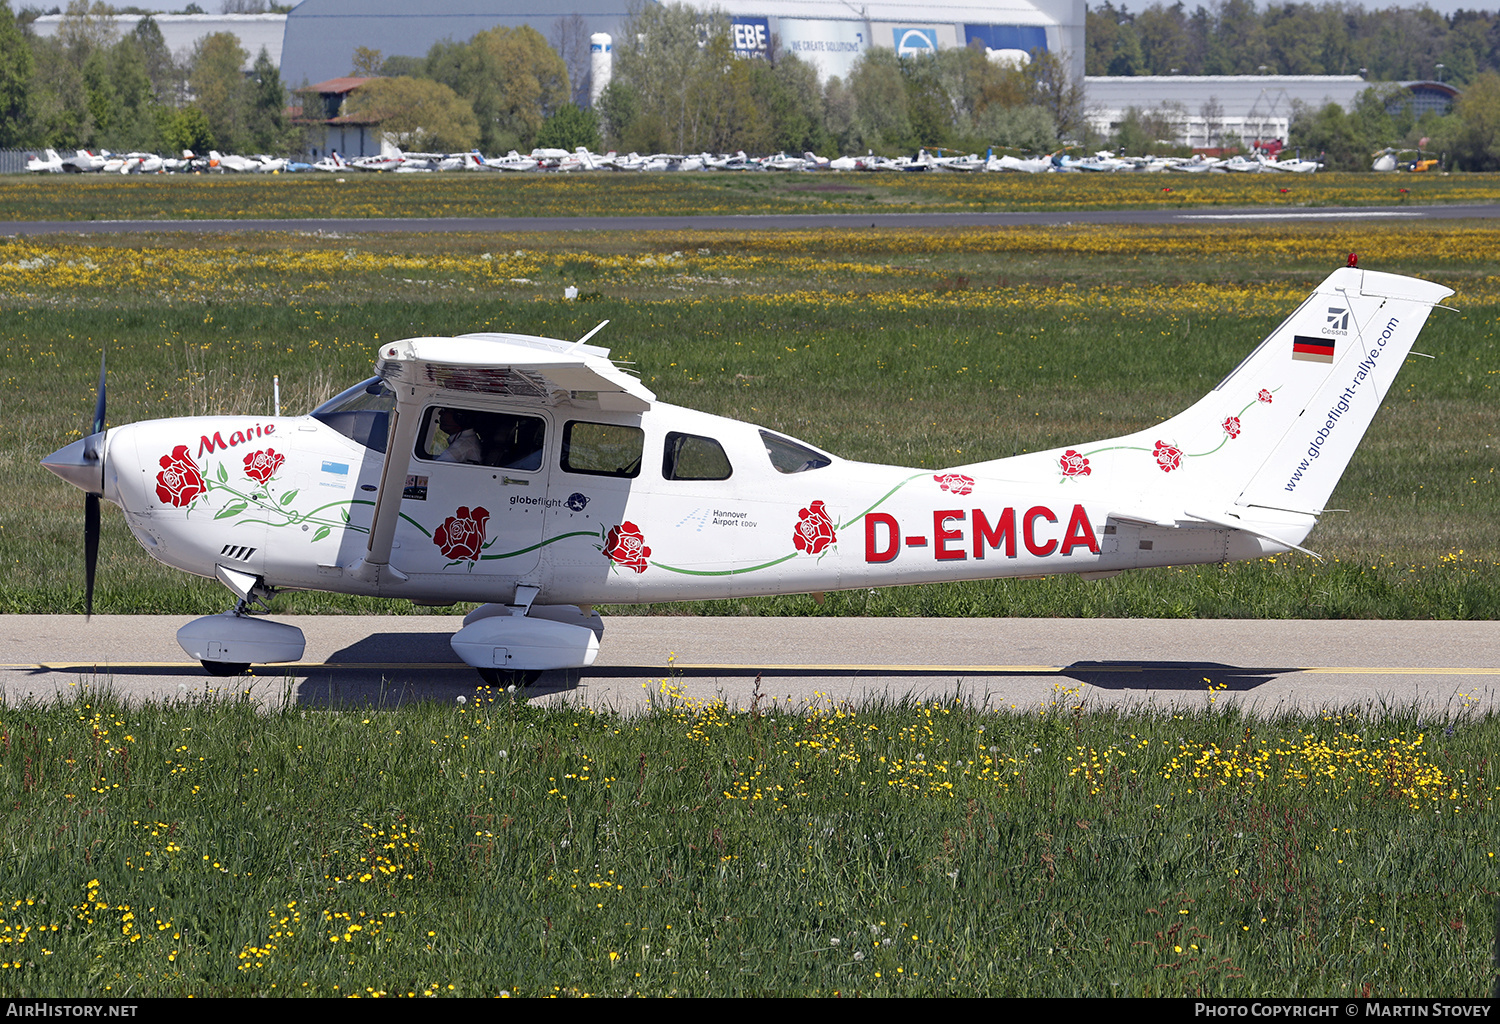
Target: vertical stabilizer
[(1339, 355), (1269, 443)]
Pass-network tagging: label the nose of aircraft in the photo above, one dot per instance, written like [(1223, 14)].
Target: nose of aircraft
[(80, 463)]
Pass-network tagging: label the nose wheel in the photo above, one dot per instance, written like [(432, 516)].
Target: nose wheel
[(226, 668), (228, 644), (504, 678)]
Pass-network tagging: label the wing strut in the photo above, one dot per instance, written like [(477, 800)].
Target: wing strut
[(376, 567)]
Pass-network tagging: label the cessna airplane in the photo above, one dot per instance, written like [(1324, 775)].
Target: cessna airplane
[(539, 478)]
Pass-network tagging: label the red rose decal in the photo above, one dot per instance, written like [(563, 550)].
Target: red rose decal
[(815, 530), (462, 534), (1074, 464), (180, 480), (955, 483), (1168, 456), (1232, 426), (624, 545), (261, 466), (1264, 396)]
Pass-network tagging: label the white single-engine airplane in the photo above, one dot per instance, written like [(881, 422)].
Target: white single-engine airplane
[(536, 476)]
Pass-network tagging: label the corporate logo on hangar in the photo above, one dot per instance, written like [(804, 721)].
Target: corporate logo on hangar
[(751, 37), (912, 41)]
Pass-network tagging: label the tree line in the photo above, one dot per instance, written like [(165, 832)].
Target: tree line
[(1233, 37), (93, 87), (679, 87), (1466, 139), (1385, 46)]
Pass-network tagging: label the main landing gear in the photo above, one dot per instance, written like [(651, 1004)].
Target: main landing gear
[(513, 644)]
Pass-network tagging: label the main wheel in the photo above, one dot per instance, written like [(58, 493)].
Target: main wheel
[(226, 668), (504, 678)]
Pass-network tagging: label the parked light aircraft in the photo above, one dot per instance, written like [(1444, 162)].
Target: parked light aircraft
[(51, 163), (536, 476)]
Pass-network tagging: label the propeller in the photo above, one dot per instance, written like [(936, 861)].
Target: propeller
[(93, 452), (82, 465)]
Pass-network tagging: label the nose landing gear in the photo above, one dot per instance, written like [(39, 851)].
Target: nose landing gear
[(229, 643)]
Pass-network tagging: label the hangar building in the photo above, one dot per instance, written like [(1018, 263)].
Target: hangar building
[(181, 32), (1214, 110), (321, 35)]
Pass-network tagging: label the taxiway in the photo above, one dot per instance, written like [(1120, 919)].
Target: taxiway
[(1264, 665)]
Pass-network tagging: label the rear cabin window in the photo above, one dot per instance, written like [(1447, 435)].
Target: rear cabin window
[(691, 457), (790, 456), (471, 437), (602, 449)]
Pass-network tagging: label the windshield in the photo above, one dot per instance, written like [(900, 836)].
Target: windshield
[(362, 414)]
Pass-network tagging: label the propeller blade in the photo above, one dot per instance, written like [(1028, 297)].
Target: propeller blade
[(90, 549), (99, 402), (91, 506)]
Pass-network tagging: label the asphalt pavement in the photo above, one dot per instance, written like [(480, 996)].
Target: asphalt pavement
[(1265, 665)]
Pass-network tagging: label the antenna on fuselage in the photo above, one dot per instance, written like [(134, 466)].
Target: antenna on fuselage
[(587, 336), (276, 392)]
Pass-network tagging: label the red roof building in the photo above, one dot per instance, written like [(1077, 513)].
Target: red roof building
[(349, 135)]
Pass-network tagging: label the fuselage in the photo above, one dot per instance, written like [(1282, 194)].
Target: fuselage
[(599, 507)]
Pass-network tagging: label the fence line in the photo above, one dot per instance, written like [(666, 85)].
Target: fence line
[(13, 161)]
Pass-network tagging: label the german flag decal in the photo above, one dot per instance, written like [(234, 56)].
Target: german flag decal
[(1313, 350)]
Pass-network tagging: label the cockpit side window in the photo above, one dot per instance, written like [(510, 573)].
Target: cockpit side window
[(691, 457), (790, 456), (478, 438), (362, 414), (602, 449)]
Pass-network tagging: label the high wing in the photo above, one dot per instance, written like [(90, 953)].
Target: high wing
[(419, 370)]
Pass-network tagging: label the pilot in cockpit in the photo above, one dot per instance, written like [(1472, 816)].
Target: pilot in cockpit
[(463, 441)]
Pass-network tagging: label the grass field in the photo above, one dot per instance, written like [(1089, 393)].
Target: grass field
[(492, 847), (211, 197), (922, 348)]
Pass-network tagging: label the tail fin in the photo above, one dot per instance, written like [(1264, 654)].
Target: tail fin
[(1339, 354), (1270, 442)]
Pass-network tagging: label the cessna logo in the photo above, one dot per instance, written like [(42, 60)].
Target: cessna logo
[(1338, 320)]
